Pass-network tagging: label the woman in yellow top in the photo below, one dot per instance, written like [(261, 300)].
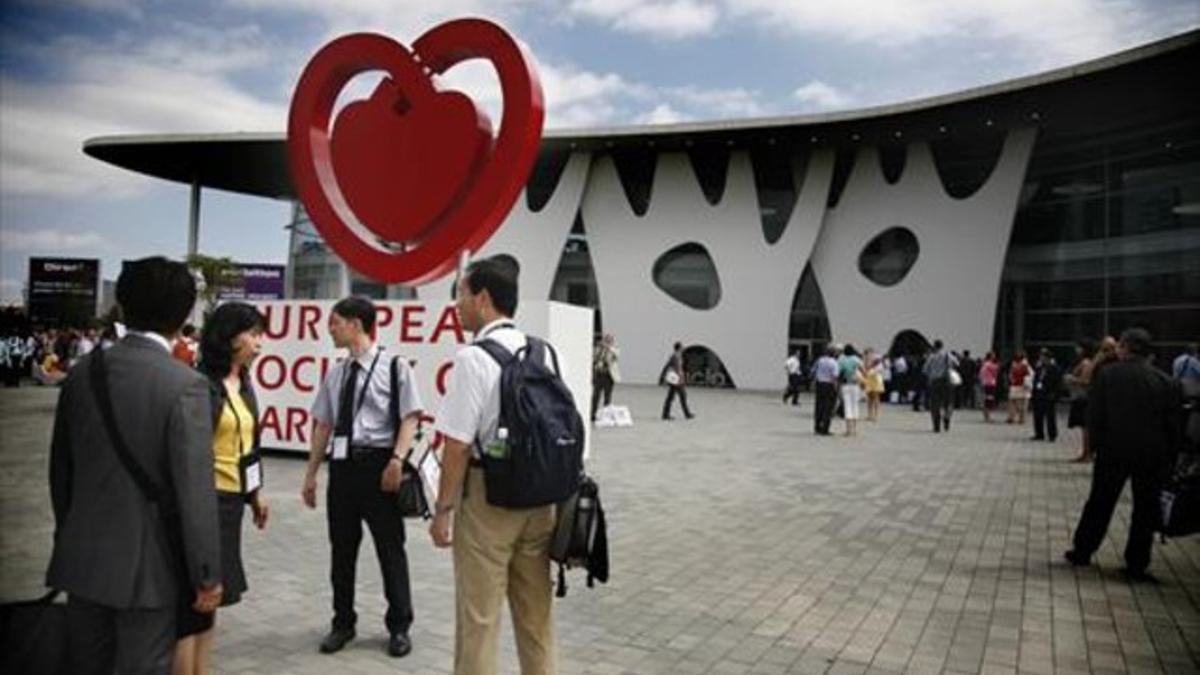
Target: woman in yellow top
[(230, 342), (873, 384)]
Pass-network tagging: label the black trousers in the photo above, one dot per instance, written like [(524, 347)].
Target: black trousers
[(354, 496), (602, 383), (671, 392), (941, 402), (795, 382), (1108, 479), (826, 401), (103, 639), (1045, 418)]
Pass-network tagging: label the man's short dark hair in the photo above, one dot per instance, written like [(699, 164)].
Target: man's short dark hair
[(937, 344), (498, 276), (188, 330), (357, 307), (156, 294), (1137, 341)]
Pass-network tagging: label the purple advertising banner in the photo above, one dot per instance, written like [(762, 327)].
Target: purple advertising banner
[(253, 282)]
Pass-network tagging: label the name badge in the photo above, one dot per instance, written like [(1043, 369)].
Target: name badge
[(340, 448), (253, 477)]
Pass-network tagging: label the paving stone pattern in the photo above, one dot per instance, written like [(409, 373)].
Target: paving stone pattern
[(740, 543)]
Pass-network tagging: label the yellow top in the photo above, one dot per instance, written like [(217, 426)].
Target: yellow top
[(226, 450)]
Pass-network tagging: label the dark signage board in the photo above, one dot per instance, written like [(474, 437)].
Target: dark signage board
[(63, 291), (253, 282)]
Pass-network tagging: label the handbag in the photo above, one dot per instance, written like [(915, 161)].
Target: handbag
[(955, 378), (672, 378), (411, 495), (34, 636)]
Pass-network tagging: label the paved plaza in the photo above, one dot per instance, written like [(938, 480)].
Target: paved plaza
[(740, 544)]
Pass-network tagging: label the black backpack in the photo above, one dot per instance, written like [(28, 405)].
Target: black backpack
[(544, 462), (580, 536)]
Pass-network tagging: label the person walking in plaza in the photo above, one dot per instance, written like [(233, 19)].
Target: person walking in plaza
[(1019, 382), (989, 377), (1078, 381), (873, 383), (604, 371), (1133, 429), (1047, 381), (825, 375), (675, 376), (968, 370), (367, 436), (230, 343), (795, 378), (129, 551), (900, 377), (497, 551), (941, 390), (851, 375)]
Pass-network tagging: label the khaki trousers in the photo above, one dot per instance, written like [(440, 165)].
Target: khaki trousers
[(500, 552)]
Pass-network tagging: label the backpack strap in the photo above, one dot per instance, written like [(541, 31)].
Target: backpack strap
[(495, 350), (394, 400), (99, 381)]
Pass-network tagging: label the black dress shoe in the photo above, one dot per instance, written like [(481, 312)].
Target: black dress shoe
[(337, 638), (689, 416), (1077, 559), (667, 417), (399, 645), (1141, 575), (1036, 438)]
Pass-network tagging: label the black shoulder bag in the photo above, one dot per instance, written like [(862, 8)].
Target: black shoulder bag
[(411, 494), (168, 512)]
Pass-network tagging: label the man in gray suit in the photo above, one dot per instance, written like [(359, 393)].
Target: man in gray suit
[(113, 553)]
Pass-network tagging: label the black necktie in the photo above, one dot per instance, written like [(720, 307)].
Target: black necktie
[(345, 413)]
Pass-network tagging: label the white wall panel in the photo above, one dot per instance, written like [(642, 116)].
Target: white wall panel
[(748, 328), (951, 290)]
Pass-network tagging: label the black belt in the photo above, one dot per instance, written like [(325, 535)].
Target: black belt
[(367, 453)]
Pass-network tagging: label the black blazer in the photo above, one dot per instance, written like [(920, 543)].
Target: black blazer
[(1050, 378), (1133, 412)]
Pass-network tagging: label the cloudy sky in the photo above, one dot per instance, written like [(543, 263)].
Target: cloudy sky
[(75, 69)]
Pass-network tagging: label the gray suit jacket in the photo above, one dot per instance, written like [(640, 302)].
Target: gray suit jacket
[(110, 546)]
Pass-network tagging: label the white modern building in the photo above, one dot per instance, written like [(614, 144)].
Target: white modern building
[(1021, 215)]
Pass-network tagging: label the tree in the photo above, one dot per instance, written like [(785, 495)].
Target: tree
[(216, 273)]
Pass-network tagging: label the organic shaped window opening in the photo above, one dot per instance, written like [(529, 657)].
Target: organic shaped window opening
[(965, 163), (888, 257), (703, 368), (687, 274), (710, 162), (892, 157), (543, 180), (776, 189), (843, 163), (635, 168)]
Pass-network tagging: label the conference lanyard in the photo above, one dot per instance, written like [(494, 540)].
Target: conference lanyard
[(494, 328), (362, 395)]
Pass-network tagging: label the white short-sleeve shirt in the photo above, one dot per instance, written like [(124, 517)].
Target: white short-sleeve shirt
[(470, 411)]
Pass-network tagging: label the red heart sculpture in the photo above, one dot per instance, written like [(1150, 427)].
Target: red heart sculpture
[(403, 163), (412, 164)]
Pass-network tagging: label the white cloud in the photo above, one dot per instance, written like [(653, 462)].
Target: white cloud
[(718, 103), (49, 241), (405, 19), (662, 113), (674, 19), (177, 82), (819, 96)]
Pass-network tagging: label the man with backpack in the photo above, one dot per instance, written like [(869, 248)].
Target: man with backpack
[(495, 507)]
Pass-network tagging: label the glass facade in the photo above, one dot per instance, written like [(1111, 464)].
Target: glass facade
[(1106, 237)]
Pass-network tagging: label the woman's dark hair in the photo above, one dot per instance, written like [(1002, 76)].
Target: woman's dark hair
[(1087, 348), (848, 350), (156, 294), (357, 307), (498, 275), (216, 340)]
